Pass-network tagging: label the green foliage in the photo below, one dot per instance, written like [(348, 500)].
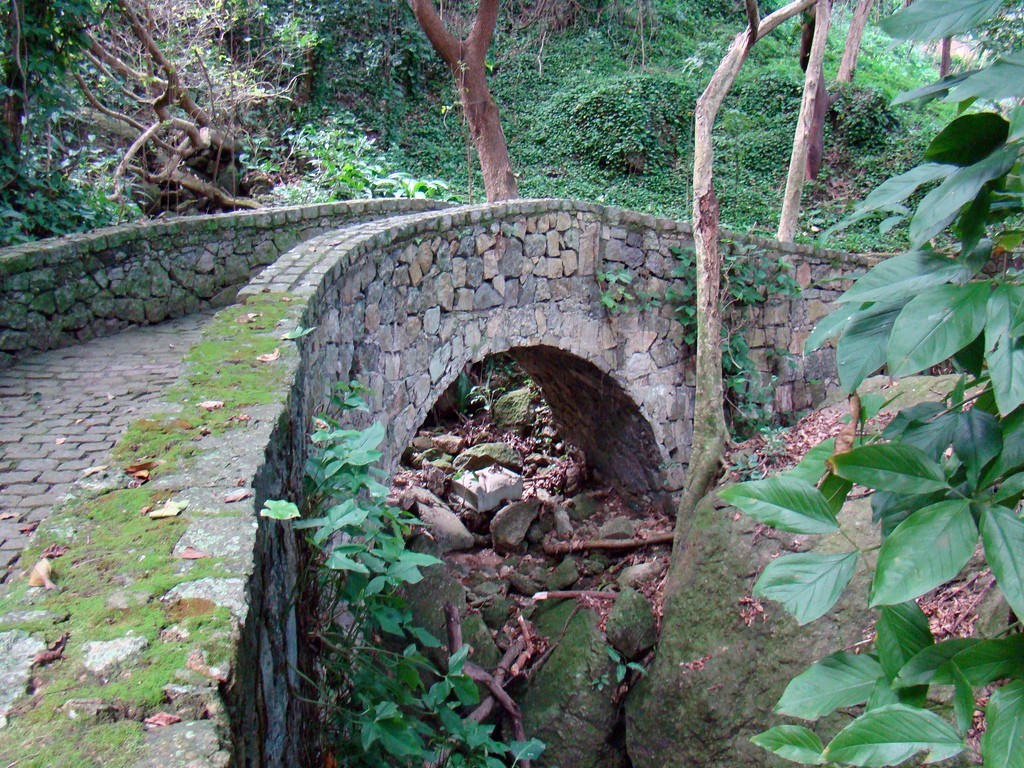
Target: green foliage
[(385, 702), (861, 117), (943, 473)]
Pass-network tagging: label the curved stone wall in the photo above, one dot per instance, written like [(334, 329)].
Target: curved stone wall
[(60, 291)]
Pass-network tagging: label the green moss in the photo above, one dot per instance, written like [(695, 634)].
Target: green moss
[(111, 745)]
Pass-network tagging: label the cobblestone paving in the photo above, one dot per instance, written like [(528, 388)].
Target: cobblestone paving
[(62, 411)]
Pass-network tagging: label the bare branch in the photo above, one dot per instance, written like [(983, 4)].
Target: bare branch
[(444, 42)]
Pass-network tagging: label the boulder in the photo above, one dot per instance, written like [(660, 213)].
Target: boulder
[(489, 488), (564, 576), (634, 575), (617, 528), (509, 526), (489, 454), (514, 409), (631, 628), (450, 444)]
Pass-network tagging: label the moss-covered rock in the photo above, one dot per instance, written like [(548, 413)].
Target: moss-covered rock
[(514, 409), (631, 627), (487, 455)]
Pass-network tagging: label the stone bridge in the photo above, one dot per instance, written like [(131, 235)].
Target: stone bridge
[(401, 298)]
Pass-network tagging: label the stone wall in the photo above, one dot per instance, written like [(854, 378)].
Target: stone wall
[(60, 291)]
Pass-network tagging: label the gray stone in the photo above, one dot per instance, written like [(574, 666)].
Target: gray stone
[(488, 488), (631, 628), (509, 526), (448, 443), (617, 528), (96, 710), (563, 524), (219, 536), (641, 573), (446, 530), (513, 409), (489, 454), (122, 599), (106, 656), (17, 651), (17, 618), (229, 593), (191, 744), (564, 576)]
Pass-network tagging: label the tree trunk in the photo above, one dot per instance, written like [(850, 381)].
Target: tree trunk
[(466, 59), (853, 38), (13, 109), (710, 434), (804, 135), (946, 60)]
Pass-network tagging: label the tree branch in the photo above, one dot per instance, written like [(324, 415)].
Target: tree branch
[(444, 42)]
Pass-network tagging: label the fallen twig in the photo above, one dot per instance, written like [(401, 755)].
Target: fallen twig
[(564, 547), (572, 594)]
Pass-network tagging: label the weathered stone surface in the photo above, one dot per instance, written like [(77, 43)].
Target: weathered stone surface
[(509, 526), (219, 536), (450, 444), (15, 618), (641, 573), (563, 523), (489, 454), (447, 532), (631, 626), (106, 656), (513, 409), (229, 593), (89, 709), (17, 650), (488, 488), (188, 745), (564, 575), (617, 528), (568, 704)]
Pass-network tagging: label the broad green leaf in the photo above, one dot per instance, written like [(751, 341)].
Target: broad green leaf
[(935, 325), (968, 139), (840, 680), (812, 466), (936, 90), (935, 19), (807, 584), (902, 632), (1003, 742), (903, 277), (835, 490), (339, 561), (1003, 79), (977, 441), (1017, 124), (940, 206), (1004, 350), (927, 549), (889, 735), (932, 435), (882, 695), (1010, 490), (828, 327), (792, 742), (785, 503), (890, 467), (891, 509), (277, 509), (892, 192), (861, 348), (985, 662), (1002, 532), (963, 698), (925, 667)]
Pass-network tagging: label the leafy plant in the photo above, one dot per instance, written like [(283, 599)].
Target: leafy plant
[(944, 474), (384, 702)]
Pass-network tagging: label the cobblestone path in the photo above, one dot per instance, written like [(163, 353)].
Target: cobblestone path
[(62, 411)]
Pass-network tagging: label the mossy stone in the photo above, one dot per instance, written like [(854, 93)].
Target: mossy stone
[(487, 455), (631, 626), (514, 408)]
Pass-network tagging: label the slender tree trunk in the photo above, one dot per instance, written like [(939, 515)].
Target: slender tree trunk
[(710, 434), (14, 78), (803, 137), (946, 61), (466, 59), (853, 38)]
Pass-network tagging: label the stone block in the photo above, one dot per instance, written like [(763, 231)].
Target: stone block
[(488, 488)]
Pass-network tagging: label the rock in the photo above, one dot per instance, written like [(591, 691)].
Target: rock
[(523, 584), (122, 599), (489, 454), (513, 409), (229, 593), (640, 573), (631, 629), (564, 576), (593, 566), (89, 709), (509, 526), (431, 456), (16, 618), (568, 704), (422, 443), (495, 612), (106, 656), (446, 531), (489, 488), (190, 743), (583, 506), (617, 528), (563, 525), (476, 634), (450, 444), (17, 651)]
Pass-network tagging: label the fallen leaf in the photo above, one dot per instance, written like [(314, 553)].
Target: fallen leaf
[(197, 663), (146, 509), (241, 493), (8, 515), (169, 509), (161, 719), (79, 421), (270, 357), (40, 575), (54, 652), (248, 317), (29, 527), (286, 298), (54, 551), (93, 470), (211, 405), (142, 475), (241, 417), (191, 553), (60, 441), (142, 466), (182, 424)]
